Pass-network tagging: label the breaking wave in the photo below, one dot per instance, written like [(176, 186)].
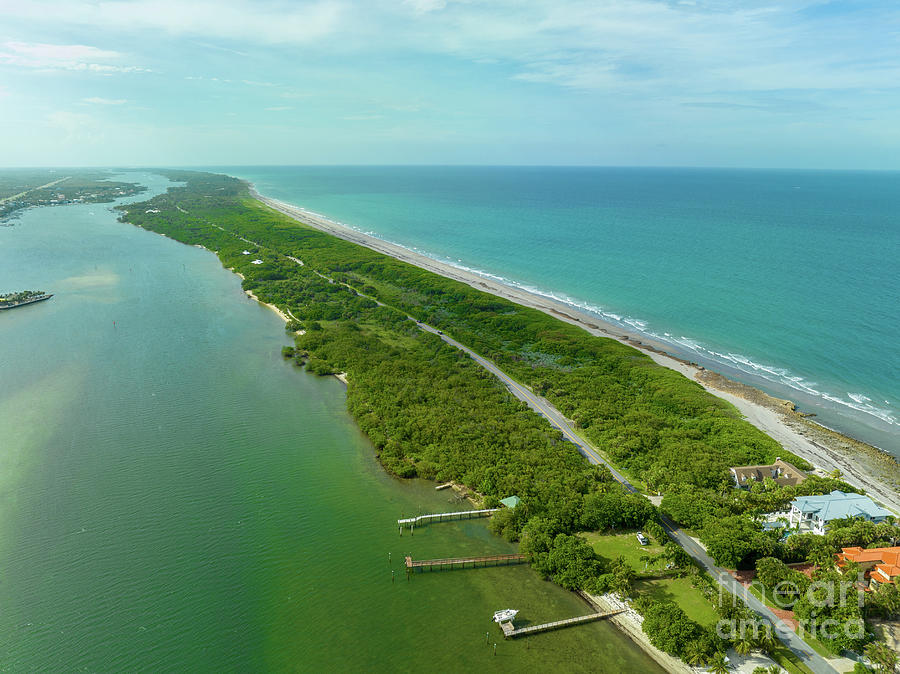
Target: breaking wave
[(858, 402)]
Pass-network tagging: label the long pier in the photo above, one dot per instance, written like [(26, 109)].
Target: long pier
[(440, 517), (511, 632), (461, 562)]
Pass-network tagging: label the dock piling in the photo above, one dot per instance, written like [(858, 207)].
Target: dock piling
[(460, 562), (511, 632), (439, 517)]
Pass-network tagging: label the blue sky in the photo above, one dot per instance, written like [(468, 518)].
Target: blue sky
[(787, 83)]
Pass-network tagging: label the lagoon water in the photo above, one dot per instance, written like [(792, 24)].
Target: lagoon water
[(786, 280), (174, 496)]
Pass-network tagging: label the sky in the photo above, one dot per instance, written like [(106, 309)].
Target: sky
[(760, 83)]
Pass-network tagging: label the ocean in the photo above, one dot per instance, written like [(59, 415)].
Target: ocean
[(785, 280), (177, 497)]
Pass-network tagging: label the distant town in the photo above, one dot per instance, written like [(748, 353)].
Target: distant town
[(83, 187)]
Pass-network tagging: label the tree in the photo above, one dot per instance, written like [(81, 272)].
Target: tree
[(718, 664), (884, 600), (616, 510), (695, 654), (571, 562), (668, 627), (767, 641), (783, 582), (736, 542), (881, 655), (771, 571), (744, 644), (623, 576)]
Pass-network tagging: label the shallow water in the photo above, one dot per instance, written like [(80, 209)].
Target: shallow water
[(174, 496)]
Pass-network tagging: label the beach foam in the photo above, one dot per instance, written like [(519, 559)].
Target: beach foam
[(776, 375)]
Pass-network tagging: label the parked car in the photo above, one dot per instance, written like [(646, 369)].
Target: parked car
[(642, 539)]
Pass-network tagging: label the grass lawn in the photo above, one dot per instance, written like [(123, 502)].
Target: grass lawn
[(788, 661), (679, 590), (622, 545)]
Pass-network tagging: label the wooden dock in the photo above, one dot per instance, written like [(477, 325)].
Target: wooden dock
[(511, 632), (461, 562), (440, 517)]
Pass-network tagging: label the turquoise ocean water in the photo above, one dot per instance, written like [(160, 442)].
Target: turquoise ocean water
[(786, 280)]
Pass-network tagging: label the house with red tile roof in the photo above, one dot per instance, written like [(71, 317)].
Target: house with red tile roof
[(880, 565)]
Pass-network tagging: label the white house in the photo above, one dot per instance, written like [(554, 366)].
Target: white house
[(815, 512)]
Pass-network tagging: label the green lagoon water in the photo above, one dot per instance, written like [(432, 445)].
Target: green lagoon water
[(176, 497)]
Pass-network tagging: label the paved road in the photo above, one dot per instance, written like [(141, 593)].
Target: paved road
[(33, 189), (537, 403), (801, 649)]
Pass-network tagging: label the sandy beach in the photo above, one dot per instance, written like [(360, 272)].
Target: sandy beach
[(861, 465), (284, 316)]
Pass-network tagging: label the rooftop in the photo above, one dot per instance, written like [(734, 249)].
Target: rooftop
[(510, 501), (886, 555), (838, 505), (782, 472), (888, 572)]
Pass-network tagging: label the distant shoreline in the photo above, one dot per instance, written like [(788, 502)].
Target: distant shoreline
[(862, 465)]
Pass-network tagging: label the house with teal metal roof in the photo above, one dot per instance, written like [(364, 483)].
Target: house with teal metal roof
[(510, 501), (815, 512)]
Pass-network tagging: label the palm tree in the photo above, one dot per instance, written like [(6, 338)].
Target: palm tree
[(694, 654), (744, 645), (767, 641), (718, 664), (648, 558), (882, 655)]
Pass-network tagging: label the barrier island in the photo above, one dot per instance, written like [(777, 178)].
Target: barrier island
[(431, 411)]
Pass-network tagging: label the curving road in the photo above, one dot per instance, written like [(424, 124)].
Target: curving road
[(801, 649), (816, 663)]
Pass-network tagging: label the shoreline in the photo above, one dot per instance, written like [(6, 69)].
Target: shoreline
[(861, 465), (629, 622), (249, 293)]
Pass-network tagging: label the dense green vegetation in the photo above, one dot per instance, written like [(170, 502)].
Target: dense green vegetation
[(648, 419), (430, 411), (21, 296), (828, 602)]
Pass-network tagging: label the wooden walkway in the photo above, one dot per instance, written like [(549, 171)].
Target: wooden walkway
[(511, 632), (461, 562), (440, 517)]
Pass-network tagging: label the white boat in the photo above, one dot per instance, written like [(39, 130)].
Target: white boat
[(505, 615)]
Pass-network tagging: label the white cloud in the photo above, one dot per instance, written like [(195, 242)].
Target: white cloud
[(627, 46), (423, 6), (74, 128), (255, 83), (63, 57), (96, 100), (645, 46), (267, 22)]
